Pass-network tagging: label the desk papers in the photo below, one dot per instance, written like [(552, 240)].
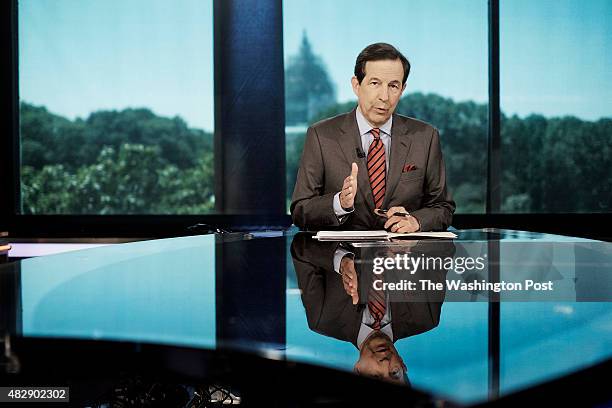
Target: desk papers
[(380, 235)]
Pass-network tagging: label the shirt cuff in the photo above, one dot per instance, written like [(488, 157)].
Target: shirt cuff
[(338, 210), (338, 255)]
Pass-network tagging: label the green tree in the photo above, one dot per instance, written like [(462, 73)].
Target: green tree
[(51, 139), (133, 180), (114, 162)]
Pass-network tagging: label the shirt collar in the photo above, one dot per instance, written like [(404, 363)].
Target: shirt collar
[(365, 127)]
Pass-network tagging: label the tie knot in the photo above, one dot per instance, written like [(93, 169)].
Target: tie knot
[(375, 132)]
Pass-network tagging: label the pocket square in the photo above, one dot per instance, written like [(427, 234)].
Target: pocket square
[(408, 167)]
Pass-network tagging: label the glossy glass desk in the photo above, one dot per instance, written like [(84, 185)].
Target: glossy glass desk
[(250, 296)]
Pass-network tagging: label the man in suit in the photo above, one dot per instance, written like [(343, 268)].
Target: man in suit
[(372, 158)]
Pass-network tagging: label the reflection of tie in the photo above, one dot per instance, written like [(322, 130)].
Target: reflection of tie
[(376, 168), (376, 303)]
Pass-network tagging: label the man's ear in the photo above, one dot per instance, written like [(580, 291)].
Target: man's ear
[(404, 87), (355, 84)]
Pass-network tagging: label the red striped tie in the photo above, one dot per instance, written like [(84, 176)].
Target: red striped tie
[(376, 304), (376, 168)]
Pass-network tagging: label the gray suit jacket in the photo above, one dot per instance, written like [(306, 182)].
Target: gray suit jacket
[(329, 149)]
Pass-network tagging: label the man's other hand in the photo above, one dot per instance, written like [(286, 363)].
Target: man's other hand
[(349, 189), (400, 223)]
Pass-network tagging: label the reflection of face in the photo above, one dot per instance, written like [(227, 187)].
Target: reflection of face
[(380, 90), (378, 358)]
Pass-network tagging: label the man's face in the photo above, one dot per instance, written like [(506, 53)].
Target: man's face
[(378, 358), (380, 90)]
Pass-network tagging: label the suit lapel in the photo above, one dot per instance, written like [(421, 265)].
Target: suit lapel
[(400, 145), (350, 141)]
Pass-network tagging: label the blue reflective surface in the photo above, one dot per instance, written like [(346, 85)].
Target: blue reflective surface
[(542, 341), (159, 291), (169, 292)]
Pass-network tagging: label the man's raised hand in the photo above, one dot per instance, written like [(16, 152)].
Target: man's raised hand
[(349, 189)]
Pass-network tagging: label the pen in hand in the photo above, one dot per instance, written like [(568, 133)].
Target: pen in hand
[(383, 213)]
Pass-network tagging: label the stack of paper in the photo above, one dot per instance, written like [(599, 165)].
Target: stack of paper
[(352, 236), (380, 235), (430, 234)]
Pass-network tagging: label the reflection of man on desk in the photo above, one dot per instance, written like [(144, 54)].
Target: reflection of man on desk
[(332, 287), (371, 158)]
